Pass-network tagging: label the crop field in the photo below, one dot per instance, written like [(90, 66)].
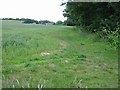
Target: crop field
[(55, 57)]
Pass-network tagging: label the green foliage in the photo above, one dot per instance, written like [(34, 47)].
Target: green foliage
[(103, 17), (59, 22), (30, 21)]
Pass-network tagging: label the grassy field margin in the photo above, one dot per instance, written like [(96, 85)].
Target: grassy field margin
[(55, 57)]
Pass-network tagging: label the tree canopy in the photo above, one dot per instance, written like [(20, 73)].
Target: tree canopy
[(94, 16)]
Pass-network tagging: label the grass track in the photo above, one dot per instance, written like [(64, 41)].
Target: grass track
[(75, 59)]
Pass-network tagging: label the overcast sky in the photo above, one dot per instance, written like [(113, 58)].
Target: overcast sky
[(34, 9)]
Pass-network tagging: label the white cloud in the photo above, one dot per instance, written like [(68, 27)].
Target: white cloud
[(35, 9)]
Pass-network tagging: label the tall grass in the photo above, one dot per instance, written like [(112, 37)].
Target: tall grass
[(75, 58)]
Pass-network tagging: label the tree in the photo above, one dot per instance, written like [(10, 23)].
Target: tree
[(93, 15), (103, 17), (59, 22)]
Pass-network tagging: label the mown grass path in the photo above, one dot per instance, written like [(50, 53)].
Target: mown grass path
[(56, 56)]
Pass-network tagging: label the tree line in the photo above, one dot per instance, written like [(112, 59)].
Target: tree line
[(102, 18), (30, 21)]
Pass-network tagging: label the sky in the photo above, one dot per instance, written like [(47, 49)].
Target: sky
[(33, 9)]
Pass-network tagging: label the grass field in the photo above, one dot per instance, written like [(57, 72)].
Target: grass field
[(56, 57)]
